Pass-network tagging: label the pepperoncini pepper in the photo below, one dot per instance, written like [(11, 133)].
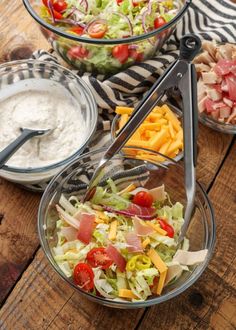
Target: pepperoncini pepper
[(138, 262)]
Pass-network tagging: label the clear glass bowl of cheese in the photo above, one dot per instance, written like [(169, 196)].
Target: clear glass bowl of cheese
[(43, 93), (72, 181)]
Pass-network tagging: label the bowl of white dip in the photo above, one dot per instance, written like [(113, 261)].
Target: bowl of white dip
[(41, 95)]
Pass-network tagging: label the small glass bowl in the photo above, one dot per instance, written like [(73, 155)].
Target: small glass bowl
[(216, 125), (37, 75), (66, 44), (177, 111), (73, 180)]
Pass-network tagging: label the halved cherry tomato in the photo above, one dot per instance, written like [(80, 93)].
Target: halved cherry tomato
[(98, 257), (77, 52), (97, 29), (168, 228), (83, 276), (118, 1), (143, 198), (159, 21), (60, 5), (135, 3), (56, 14), (121, 52), (77, 29), (138, 57)]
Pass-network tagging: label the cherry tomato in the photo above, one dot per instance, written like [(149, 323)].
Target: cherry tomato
[(60, 5), (78, 52), (138, 57), (121, 52), (98, 257), (135, 4), (118, 1), (168, 228), (159, 21), (97, 29), (143, 198), (56, 14), (77, 29), (83, 276)]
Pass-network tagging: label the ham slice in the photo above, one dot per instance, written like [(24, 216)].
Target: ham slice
[(69, 233), (134, 242), (145, 213), (86, 227), (189, 258), (140, 228), (116, 257), (209, 77), (158, 193)]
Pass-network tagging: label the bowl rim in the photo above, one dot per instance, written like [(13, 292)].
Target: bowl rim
[(118, 304), (105, 41), (216, 125), (86, 90)]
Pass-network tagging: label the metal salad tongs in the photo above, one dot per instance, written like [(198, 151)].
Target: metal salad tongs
[(180, 74)]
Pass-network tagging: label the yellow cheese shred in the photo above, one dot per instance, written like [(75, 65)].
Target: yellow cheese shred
[(157, 261), (161, 282), (125, 293), (113, 229), (157, 228), (145, 242)]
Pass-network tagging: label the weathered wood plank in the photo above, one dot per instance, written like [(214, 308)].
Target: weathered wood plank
[(211, 301), (19, 34)]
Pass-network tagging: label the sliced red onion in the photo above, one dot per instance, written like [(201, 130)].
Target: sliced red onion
[(126, 18), (84, 3), (147, 12), (133, 46), (50, 7), (94, 20), (69, 21)]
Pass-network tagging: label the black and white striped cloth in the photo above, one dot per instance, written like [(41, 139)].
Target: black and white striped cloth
[(209, 19)]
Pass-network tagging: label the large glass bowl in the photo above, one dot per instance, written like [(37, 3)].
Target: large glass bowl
[(25, 75), (126, 169), (65, 43)]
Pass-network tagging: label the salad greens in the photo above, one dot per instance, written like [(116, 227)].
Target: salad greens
[(107, 19), (120, 244)]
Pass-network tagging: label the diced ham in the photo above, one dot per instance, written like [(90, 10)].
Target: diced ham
[(228, 102), (116, 257), (213, 94), (209, 105), (226, 51), (200, 67), (69, 233), (224, 67), (201, 89), (204, 57), (217, 88), (86, 227), (201, 105), (215, 114), (224, 86), (231, 83), (232, 116), (140, 228), (210, 47), (225, 112), (209, 77), (134, 242)]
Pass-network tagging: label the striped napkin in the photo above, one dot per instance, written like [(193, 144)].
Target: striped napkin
[(211, 20)]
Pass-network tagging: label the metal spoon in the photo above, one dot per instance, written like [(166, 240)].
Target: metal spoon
[(26, 134)]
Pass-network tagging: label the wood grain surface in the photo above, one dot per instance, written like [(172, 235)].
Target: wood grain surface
[(33, 296)]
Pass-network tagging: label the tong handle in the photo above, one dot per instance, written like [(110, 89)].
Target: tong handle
[(190, 46)]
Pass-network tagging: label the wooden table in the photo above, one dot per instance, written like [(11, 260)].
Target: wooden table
[(32, 296)]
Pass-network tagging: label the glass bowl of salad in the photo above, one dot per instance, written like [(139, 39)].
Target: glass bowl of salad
[(106, 36), (120, 248)]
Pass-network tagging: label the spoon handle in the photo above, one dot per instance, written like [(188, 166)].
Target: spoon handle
[(6, 153)]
